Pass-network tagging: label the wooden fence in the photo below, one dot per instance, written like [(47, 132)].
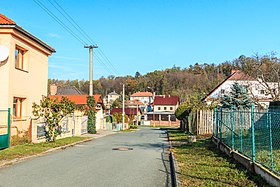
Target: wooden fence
[(199, 122)]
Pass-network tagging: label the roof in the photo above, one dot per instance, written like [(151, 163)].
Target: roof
[(142, 94), (8, 23), (166, 100), (134, 102), (127, 111), (236, 75), (113, 93), (78, 99), (69, 90)]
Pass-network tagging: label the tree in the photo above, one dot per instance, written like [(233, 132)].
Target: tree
[(118, 117), (237, 98), (117, 103), (52, 111), (91, 115)]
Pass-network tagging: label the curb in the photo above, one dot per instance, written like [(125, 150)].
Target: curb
[(173, 165), (17, 160)]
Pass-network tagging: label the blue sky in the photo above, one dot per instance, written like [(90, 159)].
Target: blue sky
[(148, 35)]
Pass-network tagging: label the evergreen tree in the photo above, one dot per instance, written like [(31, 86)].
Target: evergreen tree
[(237, 98)]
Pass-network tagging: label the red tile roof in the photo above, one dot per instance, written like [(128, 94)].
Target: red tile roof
[(238, 75), (6, 21), (166, 100), (78, 99), (142, 94), (127, 111)]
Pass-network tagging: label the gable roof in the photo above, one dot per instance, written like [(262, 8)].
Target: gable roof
[(127, 111), (69, 90), (236, 75), (6, 22), (78, 99), (142, 94), (166, 100)]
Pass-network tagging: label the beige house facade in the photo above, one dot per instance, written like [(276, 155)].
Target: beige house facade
[(24, 73)]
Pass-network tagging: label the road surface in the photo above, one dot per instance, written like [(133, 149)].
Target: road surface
[(95, 163)]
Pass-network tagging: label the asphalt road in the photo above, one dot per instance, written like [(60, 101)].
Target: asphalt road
[(95, 163)]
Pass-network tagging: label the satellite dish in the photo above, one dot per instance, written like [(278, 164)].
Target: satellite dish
[(4, 53)]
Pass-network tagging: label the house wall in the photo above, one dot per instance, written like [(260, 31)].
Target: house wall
[(255, 90), (5, 40), (145, 100), (156, 108), (30, 84)]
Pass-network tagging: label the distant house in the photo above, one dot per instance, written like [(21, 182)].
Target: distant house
[(76, 96), (164, 110), (255, 89), (132, 113), (23, 71), (110, 98), (145, 97)]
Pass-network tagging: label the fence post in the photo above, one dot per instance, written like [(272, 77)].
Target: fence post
[(253, 132), (232, 126), (270, 142), (216, 122), (220, 124), (9, 126)]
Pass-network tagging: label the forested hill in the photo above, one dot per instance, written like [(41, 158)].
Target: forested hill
[(197, 79)]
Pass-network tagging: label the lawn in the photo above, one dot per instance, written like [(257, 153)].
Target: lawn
[(29, 149), (202, 164)]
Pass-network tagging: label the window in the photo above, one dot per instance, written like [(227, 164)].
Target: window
[(20, 58), (262, 92), (165, 108), (17, 107), (158, 108), (171, 108), (222, 91)]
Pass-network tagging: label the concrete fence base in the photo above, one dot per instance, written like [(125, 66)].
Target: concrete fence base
[(257, 168)]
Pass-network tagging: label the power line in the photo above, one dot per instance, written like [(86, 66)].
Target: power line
[(58, 21), (81, 31), (78, 28)]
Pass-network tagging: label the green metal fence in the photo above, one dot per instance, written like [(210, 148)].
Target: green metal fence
[(254, 133), (5, 129)]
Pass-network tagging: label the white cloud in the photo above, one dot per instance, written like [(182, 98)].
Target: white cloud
[(53, 35)]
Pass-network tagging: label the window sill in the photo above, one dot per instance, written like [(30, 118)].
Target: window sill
[(19, 119), (21, 70)]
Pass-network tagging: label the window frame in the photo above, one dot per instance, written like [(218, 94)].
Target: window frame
[(21, 58), (18, 103)]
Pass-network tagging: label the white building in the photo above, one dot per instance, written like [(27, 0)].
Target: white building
[(256, 89)]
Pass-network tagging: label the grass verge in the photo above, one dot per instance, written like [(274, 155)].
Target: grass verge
[(20, 151), (202, 164)]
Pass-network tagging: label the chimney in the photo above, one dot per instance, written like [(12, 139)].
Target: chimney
[(163, 96), (53, 89), (169, 96)]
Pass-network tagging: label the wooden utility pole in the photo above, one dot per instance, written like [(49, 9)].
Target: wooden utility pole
[(123, 108), (90, 67)]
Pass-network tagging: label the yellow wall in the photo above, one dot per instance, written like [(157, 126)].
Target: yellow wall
[(30, 84)]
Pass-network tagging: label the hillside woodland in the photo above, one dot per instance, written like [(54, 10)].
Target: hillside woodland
[(193, 81)]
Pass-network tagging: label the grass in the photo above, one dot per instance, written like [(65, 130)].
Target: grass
[(202, 164), (20, 151)]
